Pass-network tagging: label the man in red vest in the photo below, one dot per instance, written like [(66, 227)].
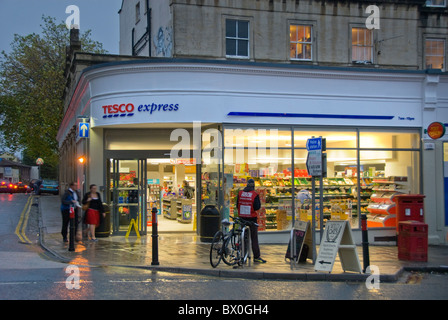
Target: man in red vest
[(248, 202)]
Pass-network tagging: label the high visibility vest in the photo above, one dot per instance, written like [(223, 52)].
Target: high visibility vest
[(246, 204)]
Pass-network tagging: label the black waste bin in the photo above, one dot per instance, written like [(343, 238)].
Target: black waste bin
[(209, 223), (103, 229)]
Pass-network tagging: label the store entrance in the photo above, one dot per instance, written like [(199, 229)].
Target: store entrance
[(127, 195), (172, 189), (137, 186)]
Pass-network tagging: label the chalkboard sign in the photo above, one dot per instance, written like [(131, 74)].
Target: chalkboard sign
[(302, 239)]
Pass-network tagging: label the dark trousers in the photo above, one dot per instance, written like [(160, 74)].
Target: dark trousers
[(66, 222), (254, 237)]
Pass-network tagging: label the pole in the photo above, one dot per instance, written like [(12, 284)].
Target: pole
[(71, 244), (313, 216), (321, 207), (365, 242), (155, 236)]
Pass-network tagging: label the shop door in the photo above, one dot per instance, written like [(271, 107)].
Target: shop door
[(127, 190)]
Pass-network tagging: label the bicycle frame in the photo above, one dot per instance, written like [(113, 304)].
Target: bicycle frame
[(236, 244)]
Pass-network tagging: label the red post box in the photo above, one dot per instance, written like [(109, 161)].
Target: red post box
[(409, 207), (413, 241)]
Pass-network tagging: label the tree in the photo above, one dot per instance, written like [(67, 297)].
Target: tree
[(32, 85)]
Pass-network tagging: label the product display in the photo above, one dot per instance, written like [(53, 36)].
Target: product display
[(382, 209), (340, 197)]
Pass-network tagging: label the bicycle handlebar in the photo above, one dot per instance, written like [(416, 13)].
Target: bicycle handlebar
[(244, 222)]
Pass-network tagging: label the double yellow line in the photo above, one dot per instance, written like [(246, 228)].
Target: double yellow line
[(23, 221)]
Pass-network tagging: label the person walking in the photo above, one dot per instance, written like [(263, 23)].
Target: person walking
[(94, 211), (69, 199), (248, 202)]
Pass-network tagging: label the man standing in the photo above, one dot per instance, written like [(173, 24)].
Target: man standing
[(248, 203), (69, 199)]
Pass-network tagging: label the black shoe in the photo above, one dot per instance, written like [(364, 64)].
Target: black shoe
[(259, 260)]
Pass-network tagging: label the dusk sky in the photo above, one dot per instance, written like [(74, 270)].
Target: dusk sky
[(25, 16)]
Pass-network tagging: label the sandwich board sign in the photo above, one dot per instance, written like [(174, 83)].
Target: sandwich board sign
[(337, 238), (300, 236)]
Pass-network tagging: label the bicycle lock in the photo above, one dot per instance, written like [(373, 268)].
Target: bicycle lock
[(155, 238)]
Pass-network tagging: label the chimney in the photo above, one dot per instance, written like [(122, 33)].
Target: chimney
[(75, 44)]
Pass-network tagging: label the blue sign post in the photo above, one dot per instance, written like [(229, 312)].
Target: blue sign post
[(314, 144), (314, 158), (84, 129)]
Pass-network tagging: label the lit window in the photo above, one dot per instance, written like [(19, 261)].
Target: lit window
[(237, 38), (362, 45), (435, 3), (434, 54), (300, 42)]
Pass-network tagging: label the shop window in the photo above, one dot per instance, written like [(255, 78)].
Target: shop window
[(272, 176), (400, 140), (257, 138), (335, 139), (386, 174), (362, 45), (237, 38), (435, 54), (339, 188), (301, 42)]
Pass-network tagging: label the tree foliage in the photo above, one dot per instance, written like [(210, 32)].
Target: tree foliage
[(32, 85)]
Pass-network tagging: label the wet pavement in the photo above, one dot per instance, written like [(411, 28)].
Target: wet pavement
[(185, 253)]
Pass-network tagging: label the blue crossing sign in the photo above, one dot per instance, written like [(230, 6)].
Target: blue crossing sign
[(84, 128), (314, 157), (314, 144)]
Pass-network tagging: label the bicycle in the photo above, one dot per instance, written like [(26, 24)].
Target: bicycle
[(232, 247)]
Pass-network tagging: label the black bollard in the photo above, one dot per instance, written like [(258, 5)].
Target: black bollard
[(365, 243), (155, 236), (71, 244)]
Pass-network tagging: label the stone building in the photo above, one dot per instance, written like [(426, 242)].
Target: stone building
[(370, 76), (410, 34)]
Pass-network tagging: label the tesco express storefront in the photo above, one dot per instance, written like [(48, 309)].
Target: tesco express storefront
[(179, 135)]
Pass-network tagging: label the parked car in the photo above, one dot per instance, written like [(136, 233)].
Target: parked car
[(49, 186), (4, 186), (20, 187)]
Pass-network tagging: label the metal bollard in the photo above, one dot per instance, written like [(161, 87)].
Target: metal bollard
[(365, 243), (71, 244), (155, 236)]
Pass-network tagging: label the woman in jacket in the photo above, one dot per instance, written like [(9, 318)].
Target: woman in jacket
[(94, 210)]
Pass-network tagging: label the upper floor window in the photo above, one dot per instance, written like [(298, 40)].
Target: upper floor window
[(362, 45), (435, 3), (301, 43), (237, 38), (435, 54)]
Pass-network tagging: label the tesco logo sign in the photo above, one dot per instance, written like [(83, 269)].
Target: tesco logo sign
[(128, 109), (118, 110)]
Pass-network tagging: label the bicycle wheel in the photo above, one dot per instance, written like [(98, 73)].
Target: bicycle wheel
[(216, 249), (230, 252), (246, 246)]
